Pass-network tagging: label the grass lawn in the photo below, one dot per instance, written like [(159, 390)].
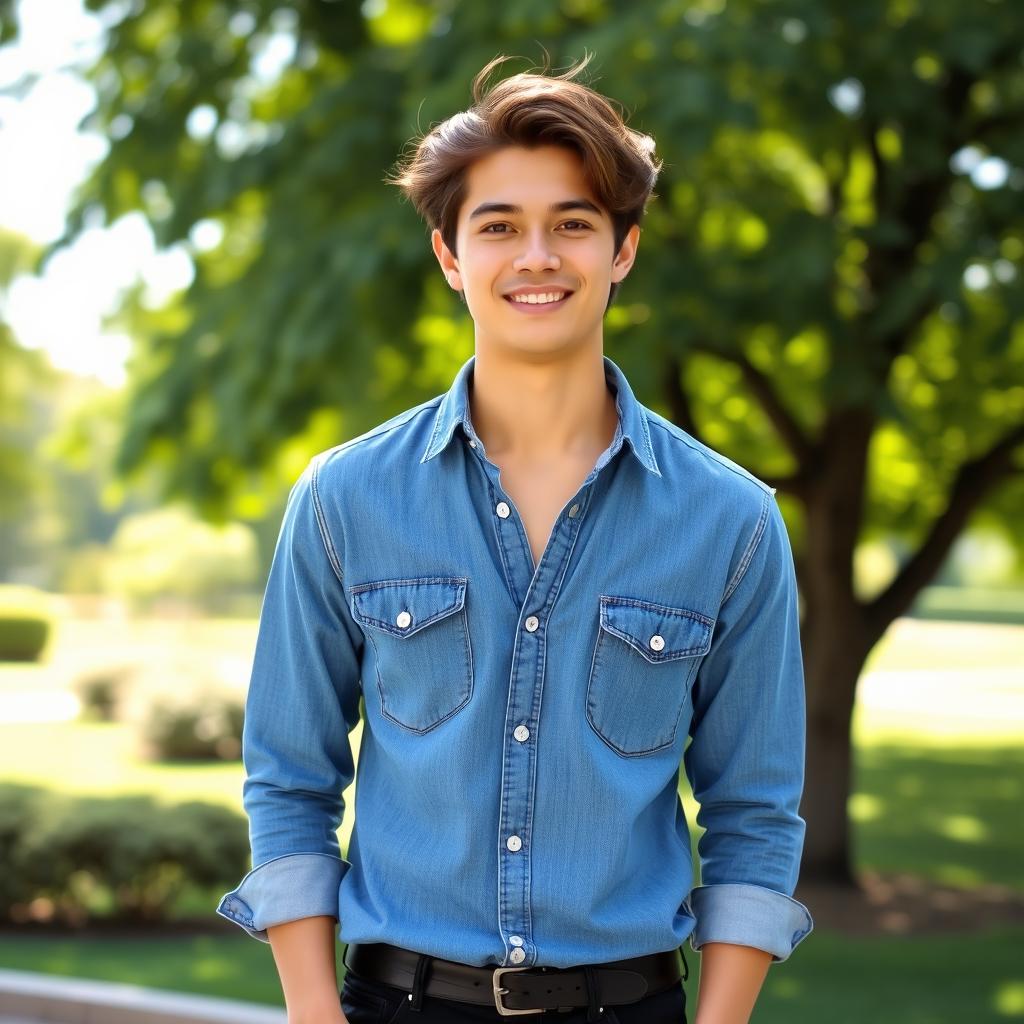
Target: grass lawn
[(939, 777)]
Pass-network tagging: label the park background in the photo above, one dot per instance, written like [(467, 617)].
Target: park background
[(204, 280)]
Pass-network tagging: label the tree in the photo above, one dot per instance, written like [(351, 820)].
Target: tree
[(826, 291), (23, 376)]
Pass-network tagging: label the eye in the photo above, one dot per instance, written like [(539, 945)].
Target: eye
[(487, 230), (575, 225)]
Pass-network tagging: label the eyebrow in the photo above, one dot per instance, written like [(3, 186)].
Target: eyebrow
[(564, 205)]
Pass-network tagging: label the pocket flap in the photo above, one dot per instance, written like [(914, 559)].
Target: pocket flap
[(674, 632), (403, 607)]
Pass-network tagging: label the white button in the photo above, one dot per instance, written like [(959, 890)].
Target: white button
[(522, 733), (472, 443), (532, 623), (657, 642), (516, 940), (503, 510), (514, 843), (403, 620), (573, 510), (517, 956)]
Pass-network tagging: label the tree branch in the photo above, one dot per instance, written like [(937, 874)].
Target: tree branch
[(973, 481), (679, 407), (915, 205), (786, 426), (681, 413), (796, 484)]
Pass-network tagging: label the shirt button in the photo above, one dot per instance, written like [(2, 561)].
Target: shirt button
[(516, 940), (532, 623), (503, 510), (472, 443), (657, 642), (573, 510), (522, 733), (403, 619), (514, 843), (517, 956)]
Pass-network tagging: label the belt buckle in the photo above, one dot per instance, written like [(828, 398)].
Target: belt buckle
[(507, 1011)]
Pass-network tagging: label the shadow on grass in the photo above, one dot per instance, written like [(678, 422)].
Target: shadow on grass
[(951, 814), (950, 979)]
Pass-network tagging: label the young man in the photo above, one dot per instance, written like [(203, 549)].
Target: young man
[(541, 589)]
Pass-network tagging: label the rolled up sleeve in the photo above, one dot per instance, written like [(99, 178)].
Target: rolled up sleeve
[(745, 760), (302, 703)]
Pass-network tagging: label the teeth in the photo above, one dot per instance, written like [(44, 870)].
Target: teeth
[(535, 299)]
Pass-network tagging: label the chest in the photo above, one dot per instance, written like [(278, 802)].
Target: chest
[(540, 493)]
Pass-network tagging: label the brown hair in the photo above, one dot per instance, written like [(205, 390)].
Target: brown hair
[(530, 109)]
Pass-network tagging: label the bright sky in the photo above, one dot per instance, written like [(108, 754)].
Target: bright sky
[(43, 156)]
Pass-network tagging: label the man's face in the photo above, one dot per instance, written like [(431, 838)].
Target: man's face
[(529, 223)]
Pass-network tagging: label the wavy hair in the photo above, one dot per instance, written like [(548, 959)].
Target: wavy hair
[(531, 109)]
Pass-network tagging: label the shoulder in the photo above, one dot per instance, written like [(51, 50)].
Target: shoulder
[(742, 506), (703, 464), (402, 437)]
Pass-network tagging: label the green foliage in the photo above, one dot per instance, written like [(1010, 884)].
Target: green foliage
[(101, 692), (207, 725), (129, 858), (180, 709), (58, 434), (170, 553), (820, 203), (26, 622), (22, 375)]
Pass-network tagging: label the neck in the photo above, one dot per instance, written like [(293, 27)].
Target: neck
[(542, 410)]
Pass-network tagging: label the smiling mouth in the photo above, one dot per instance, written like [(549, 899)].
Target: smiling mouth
[(535, 303)]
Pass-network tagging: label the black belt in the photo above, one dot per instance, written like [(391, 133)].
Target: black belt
[(516, 990)]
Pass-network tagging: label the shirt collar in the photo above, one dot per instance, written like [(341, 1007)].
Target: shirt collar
[(632, 426)]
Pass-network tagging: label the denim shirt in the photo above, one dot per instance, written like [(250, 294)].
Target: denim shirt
[(524, 724)]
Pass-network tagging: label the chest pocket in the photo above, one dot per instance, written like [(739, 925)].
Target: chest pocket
[(419, 634), (645, 658)]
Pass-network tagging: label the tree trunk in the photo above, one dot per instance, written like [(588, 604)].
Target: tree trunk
[(833, 671), (834, 640)]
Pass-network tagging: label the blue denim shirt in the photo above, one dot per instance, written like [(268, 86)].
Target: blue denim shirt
[(517, 799)]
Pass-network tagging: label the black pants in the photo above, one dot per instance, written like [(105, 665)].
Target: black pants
[(370, 1002)]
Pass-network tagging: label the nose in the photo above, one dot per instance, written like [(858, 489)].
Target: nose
[(537, 252)]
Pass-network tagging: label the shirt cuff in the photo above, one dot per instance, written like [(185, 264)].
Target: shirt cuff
[(748, 915), (284, 889)]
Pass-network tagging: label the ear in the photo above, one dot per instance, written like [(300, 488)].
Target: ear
[(627, 253), (449, 263)]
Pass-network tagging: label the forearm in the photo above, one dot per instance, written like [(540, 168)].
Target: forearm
[(304, 951), (731, 977)]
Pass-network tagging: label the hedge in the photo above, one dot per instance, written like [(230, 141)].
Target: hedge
[(72, 859)]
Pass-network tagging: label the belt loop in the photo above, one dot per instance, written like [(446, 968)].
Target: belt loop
[(419, 982), (686, 966), (595, 1012)]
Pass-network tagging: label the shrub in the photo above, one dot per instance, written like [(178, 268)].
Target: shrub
[(209, 729), (26, 620), (102, 692), (127, 858), (168, 553), (19, 806), (183, 711)]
